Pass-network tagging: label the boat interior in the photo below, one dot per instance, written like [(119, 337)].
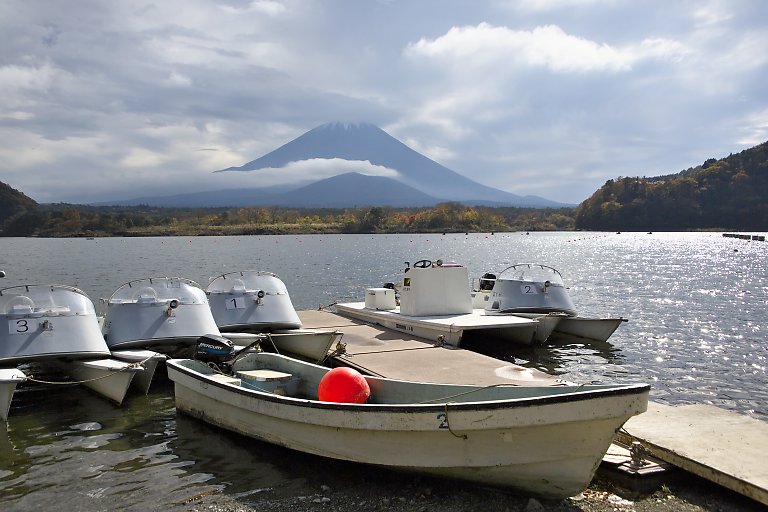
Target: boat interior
[(274, 373)]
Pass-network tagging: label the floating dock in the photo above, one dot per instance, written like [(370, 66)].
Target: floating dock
[(721, 446)]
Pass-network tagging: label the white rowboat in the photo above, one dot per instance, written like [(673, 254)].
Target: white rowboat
[(546, 442)]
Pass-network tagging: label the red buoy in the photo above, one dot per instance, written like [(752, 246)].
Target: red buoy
[(344, 385)]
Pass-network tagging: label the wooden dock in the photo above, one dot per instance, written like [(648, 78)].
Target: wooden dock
[(721, 446)]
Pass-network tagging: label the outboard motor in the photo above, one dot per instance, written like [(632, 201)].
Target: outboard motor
[(212, 348)]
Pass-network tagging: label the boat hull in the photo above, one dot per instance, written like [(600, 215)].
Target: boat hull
[(148, 360), (9, 378), (548, 323), (548, 447), (596, 329), (109, 378)]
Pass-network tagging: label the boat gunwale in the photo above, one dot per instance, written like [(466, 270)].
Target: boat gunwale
[(561, 312), (149, 279), (242, 273), (575, 396), (244, 327), (40, 285), (529, 265), (71, 355)]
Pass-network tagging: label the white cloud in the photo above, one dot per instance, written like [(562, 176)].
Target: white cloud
[(546, 46), (17, 115), (142, 158), (261, 6), (178, 80), (315, 169), (553, 5), (19, 84), (440, 154), (709, 14), (754, 129)]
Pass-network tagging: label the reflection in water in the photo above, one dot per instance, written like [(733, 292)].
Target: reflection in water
[(230, 456), (70, 449), (558, 357)]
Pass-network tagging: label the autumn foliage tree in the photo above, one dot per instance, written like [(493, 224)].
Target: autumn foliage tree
[(720, 194)]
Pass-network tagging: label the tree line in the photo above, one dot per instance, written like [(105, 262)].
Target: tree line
[(55, 220)]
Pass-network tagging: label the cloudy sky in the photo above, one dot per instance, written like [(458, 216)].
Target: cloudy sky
[(118, 99)]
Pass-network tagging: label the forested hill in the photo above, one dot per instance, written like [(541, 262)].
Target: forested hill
[(12, 201), (731, 194)]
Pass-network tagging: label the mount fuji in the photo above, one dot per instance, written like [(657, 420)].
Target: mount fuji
[(403, 177)]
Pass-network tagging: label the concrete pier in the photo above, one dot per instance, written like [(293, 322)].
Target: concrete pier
[(721, 446), (380, 351)]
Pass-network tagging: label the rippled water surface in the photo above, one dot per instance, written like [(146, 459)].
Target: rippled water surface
[(696, 303)]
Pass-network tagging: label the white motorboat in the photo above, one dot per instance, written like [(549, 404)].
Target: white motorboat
[(164, 314), (546, 442), (57, 325), (481, 289), (538, 291), (435, 303), (251, 301), (48, 322)]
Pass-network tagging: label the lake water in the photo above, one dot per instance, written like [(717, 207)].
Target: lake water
[(696, 303)]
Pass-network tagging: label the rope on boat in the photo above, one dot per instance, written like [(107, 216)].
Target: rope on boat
[(500, 385), (339, 350), (129, 366), (448, 424), (272, 342), (327, 306), (445, 398)]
